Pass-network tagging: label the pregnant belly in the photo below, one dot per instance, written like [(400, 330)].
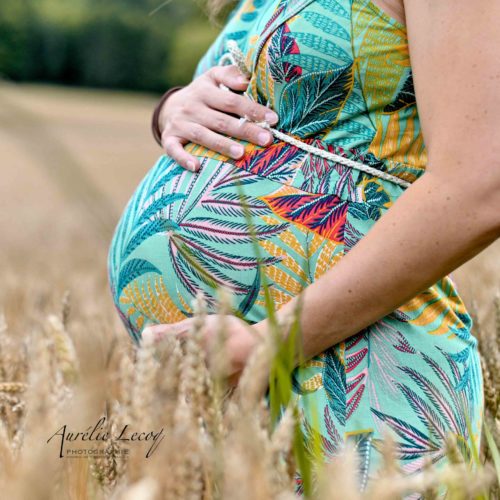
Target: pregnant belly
[(183, 232)]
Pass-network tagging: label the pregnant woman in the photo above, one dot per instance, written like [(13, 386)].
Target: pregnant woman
[(362, 204)]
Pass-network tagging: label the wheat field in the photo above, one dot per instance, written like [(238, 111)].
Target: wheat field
[(70, 160)]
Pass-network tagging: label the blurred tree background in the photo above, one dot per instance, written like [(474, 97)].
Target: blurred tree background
[(126, 44)]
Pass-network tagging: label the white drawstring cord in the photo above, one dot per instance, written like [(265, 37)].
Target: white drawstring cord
[(235, 56)]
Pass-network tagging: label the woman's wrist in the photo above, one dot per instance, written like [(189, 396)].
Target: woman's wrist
[(286, 317), (155, 120)]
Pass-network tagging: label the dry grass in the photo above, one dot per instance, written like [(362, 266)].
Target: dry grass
[(70, 159)]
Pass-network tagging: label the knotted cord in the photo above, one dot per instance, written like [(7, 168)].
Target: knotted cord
[(235, 56)]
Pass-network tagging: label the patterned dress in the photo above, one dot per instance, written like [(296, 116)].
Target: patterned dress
[(338, 74)]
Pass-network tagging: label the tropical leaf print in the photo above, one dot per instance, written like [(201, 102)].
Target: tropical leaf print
[(352, 128), (324, 214), (428, 417), (373, 192), (289, 271), (276, 162), (323, 46), (151, 300), (132, 270), (151, 218), (329, 254), (387, 347), (374, 200), (309, 377), (414, 443), (164, 169), (156, 207), (400, 146), (161, 181), (251, 298), (236, 177), (194, 247), (281, 45), (327, 24), (312, 63), (405, 97), (282, 6), (331, 441), (143, 233), (232, 205), (261, 88), (356, 352), (385, 56), (342, 377), (439, 308), (384, 70), (192, 241), (226, 231), (195, 264), (334, 7), (334, 382), (290, 250), (313, 102), (351, 235), (362, 440), (363, 211), (439, 410), (321, 175)]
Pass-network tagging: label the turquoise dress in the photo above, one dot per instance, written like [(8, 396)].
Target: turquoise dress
[(338, 74)]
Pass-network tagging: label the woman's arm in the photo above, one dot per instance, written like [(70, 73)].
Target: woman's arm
[(449, 214)]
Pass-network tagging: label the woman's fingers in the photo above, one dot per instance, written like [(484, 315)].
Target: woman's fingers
[(230, 76), (207, 115), (155, 333), (231, 102), (228, 125), (174, 148), (152, 335), (200, 134), (240, 105)]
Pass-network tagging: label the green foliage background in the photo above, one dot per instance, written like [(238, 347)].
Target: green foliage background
[(128, 44)]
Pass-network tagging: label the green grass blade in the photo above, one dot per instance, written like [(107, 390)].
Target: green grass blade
[(493, 449)]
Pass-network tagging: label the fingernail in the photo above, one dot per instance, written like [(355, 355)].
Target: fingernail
[(263, 138), (242, 79), (236, 151), (271, 117), (191, 165), (147, 336)]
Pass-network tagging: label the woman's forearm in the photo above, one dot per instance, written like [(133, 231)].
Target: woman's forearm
[(435, 226)]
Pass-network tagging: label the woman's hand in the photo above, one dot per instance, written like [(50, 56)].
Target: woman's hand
[(241, 339), (205, 114)]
